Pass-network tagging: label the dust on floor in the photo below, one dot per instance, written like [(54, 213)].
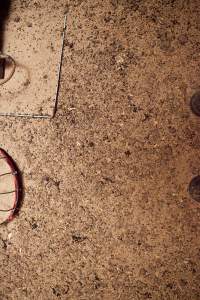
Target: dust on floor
[(106, 212)]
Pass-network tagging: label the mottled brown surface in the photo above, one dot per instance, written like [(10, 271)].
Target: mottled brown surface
[(106, 213)]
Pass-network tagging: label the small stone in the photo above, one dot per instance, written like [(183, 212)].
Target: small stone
[(17, 19), (91, 144), (127, 153), (183, 39), (78, 238), (34, 225)]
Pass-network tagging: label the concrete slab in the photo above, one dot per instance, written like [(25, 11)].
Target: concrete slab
[(33, 37)]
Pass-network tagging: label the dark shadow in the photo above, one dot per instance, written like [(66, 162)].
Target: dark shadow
[(5, 6)]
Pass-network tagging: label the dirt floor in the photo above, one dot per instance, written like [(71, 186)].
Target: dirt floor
[(106, 213)]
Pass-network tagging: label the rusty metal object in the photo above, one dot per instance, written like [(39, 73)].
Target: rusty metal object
[(2, 68), (194, 188), (195, 103), (8, 68)]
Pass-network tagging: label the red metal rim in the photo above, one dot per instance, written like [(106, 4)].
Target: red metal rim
[(14, 170)]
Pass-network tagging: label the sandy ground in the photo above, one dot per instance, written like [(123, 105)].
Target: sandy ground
[(106, 213)]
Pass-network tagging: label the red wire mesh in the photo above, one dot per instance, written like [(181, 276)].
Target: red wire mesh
[(16, 177)]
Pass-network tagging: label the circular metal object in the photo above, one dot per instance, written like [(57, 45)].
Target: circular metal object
[(195, 103), (10, 67), (9, 187), (194, 188)]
